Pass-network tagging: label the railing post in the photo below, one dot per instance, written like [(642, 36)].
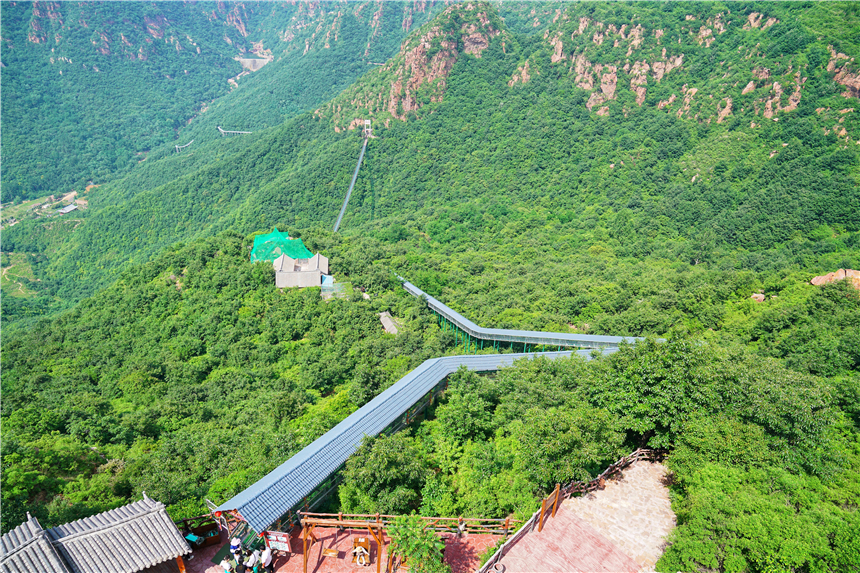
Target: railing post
[(557, 494), (540, 517)]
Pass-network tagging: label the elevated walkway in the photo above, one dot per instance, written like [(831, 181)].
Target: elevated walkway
[(310, 475), (525, 337), (288, 486)]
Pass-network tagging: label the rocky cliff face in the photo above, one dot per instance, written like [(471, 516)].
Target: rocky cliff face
[(707, 65), (132, 32), (417, 76)]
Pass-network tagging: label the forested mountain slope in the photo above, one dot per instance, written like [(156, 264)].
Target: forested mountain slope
[(93, 89), (607, 129), (191, 376), (607, 168)]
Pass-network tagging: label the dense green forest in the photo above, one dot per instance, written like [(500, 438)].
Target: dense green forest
[(191, 376), (508, 166), (620, 168)]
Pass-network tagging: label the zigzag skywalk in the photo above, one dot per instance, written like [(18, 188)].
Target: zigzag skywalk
[(307, 476)]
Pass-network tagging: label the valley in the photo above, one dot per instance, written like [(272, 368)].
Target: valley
[(677, 172)]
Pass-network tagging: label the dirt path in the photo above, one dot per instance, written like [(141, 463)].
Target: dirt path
[(13, 281)]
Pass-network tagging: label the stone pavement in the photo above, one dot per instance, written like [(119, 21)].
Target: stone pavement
[(634, 512), (566, 543)]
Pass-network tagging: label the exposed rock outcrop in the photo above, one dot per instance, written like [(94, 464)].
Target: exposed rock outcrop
[(841, 274), (418, 75), (726, 111), (522, 75), (756, 20), (590, 75)]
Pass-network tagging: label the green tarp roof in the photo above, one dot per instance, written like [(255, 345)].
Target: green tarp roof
[(270, 247)]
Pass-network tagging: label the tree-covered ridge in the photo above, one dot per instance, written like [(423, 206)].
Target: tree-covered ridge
[(193, 375), (89, 88), (320, 50), (417, 76), (642, 182)]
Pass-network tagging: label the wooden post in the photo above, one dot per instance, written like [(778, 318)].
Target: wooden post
[(378, 545), (307, 535), (507, 524), (304, 549), (557, 495), (540, 517), (180, 563)]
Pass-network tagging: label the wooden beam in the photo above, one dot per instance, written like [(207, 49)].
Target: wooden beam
[(346, 523), (305, 549), (180, 563)]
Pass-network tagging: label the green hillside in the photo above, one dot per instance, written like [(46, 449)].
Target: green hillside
[(93, 89), (771, 186), (674, 170)]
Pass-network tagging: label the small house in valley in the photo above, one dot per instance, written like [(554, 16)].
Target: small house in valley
[(67, 209)]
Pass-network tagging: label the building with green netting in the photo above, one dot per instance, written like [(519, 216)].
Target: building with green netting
[(269, 247)]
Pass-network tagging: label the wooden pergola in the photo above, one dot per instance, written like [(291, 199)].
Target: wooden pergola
[(376, 524), (376, 529)]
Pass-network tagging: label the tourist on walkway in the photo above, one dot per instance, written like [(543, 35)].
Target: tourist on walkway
[(266, 559), (236, 549), (251, 560)]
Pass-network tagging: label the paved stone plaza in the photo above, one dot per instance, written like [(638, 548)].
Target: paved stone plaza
[(634, 512)]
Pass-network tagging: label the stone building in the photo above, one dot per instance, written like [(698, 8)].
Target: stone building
[(290, 272)]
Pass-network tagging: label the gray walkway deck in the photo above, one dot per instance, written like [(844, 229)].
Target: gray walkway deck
[(531, 337)]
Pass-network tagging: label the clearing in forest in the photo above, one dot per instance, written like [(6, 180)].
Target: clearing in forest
[(16, 272)]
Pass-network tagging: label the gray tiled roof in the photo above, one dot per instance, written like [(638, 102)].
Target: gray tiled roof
[(26, 549), (286, 486), (123, 540), (522, 336)]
